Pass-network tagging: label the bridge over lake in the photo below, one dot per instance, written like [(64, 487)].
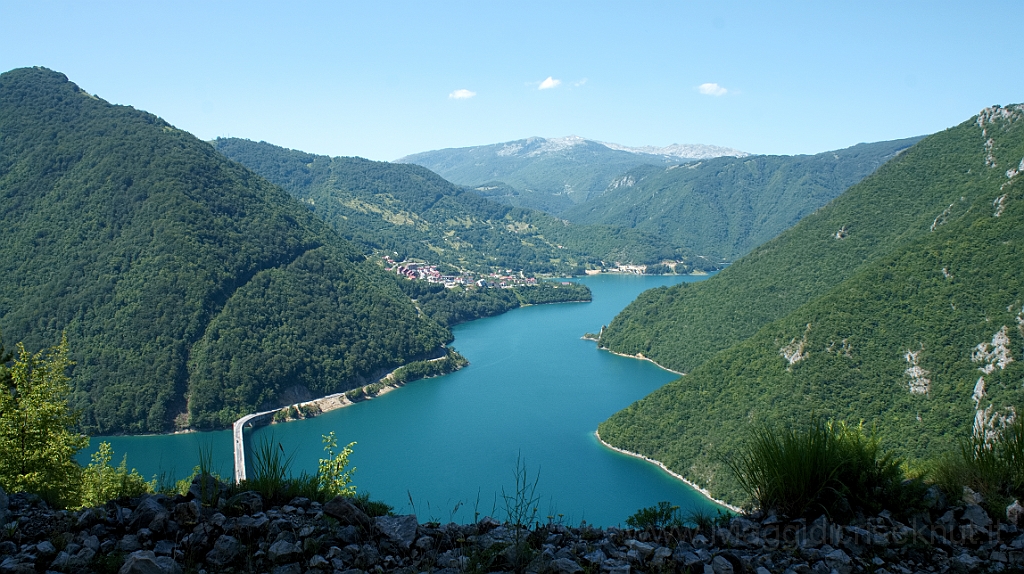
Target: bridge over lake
[(257, 419)]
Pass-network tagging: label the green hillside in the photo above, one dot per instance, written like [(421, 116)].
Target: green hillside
[(191, 290), (409, 210), (899, 305), (683, 326), (724, 207), (526, 198)]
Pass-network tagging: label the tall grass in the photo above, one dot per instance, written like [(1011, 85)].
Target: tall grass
[(272, 474), (994, 467), (272, 477), (270, 466), (829, 467)]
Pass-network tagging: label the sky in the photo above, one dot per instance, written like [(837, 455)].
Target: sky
[(383, 79)]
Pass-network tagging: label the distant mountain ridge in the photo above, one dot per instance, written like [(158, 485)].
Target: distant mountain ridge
[(682, 151), (535, 146), (718, 207), (548, 174)]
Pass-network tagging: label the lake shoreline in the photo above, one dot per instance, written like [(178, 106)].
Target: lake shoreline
[(523, 305), (638, 356), (340, 400), (466, 419), (336, 401), (324, 404), (691, 484)]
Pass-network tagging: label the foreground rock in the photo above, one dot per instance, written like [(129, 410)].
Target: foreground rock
[(164, 535)]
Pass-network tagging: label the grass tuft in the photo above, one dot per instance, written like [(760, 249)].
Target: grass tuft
[(829, 467), (272, 475), (372, 508), (992, 466)]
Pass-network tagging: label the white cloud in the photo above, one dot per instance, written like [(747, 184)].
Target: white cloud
[(549, 83), (584, 81), (711, 89), (461, 94)]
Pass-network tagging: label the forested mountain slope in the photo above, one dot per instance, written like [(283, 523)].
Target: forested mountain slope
[(724, 207), (683, 326), (412, 211), (547, 174), (899, 305), (191, 290)]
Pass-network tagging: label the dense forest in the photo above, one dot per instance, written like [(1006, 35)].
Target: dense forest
[(191, 290), (453, 306), (683, 326), (724, 207), (411, 212), (901, 305)]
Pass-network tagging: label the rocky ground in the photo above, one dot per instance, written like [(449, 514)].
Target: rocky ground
[(169, 535)]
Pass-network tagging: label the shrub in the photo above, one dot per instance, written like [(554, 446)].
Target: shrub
[(102, 483), (829, 467), (208, 483), (521, 513), (663, 515), (521, 503), (702, 520)]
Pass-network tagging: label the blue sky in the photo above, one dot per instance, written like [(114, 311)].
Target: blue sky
[(379, 79)]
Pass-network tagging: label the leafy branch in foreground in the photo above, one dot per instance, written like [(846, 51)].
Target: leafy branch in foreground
[(333, 474)]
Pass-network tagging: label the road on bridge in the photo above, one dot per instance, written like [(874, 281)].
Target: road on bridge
[(239, 440)]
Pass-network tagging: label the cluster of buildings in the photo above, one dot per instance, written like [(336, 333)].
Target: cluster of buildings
[(620, 268), (631, 269), (430, 273)]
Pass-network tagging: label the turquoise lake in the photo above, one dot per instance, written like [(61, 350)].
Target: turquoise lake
[(445, 448)]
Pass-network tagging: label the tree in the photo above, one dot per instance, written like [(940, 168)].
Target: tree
[(38, 436)]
